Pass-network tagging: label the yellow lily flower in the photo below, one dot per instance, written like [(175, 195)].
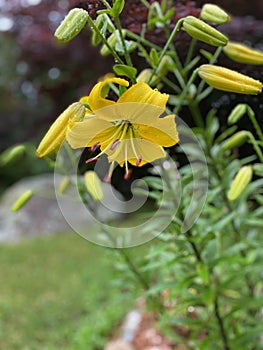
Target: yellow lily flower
[(129, 130)]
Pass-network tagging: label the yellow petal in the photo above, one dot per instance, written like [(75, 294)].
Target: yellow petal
[(147, 151), (143, 93), (134, 112), (161, 131), (87, 133), (96, 99)]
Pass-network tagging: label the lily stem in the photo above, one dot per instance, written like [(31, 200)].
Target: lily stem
[(114, 54), (166, 47)]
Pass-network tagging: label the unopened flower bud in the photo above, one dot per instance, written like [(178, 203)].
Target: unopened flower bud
[(214, 14), (237, 113), (243, 54), (22, 200), (93, 185), (240, 182), (58, 130), (144, 76), (202, 31), (72, 24), (12, 154), (63, 185), (112, 40), (236, 140), (228, 80), (103, 23), (166, 65)]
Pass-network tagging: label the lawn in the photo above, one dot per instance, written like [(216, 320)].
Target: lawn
[(57, 293)]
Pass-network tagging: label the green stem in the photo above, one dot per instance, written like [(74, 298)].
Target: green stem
[(126, 53), (166, 47), (106, 4), (256, 146), (114, 54), (196, 114), (221, 325), (190, 51), (142, 40), (185, 90), (170, 84), (133, 268), (255, 123)]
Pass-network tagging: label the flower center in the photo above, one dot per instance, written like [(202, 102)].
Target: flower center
[(122, 140)]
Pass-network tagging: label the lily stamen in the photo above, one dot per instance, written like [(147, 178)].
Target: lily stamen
[(107, 178), (128, 174), (91, 160), (95, 146), (139, 160), (115, 144)]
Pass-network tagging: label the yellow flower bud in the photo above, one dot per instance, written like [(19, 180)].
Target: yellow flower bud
[(240, 182), (58, 130), (243, 54), (93, 185), (63, 185), (228, 80), (237, 113), (202, 31), (214, 14), (22, 200), (236, 140), (12, 154), (72, 24)]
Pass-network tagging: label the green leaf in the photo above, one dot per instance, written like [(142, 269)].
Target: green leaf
[(154, 57), (203, 272), (122, 69), (117, 7)]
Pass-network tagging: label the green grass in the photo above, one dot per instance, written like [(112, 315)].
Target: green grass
[(56, 293)]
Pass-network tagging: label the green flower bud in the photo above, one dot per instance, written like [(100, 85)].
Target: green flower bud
[(243, 54), (22, 200), (12, 154), (144, 76), (228, 80), (112, 40), (237, 113), (240, 182), (166, 65), (202, 31), (72, 24), (93, 185), (58, 130), (214, 14), (236, 140)]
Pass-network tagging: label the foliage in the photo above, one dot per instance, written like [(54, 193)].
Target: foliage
[(56, 292), (202, 274)]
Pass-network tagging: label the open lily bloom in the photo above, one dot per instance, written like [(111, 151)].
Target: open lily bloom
[(129, 130)]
